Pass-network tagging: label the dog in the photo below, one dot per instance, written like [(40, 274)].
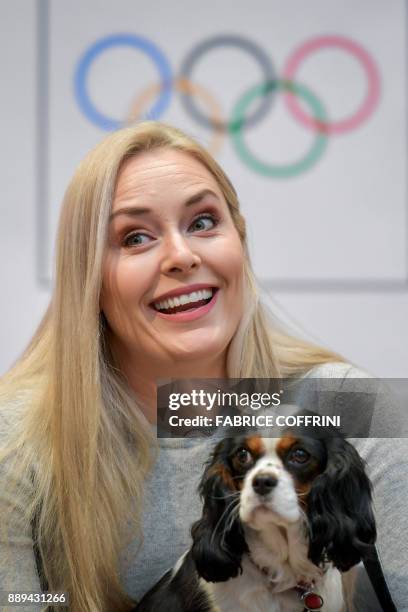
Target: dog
[(282, 518)]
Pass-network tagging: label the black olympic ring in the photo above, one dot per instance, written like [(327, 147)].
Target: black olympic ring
[(221, 41)]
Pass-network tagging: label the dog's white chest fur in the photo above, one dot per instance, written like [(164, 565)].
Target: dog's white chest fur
[(287, 565), (252, 591)]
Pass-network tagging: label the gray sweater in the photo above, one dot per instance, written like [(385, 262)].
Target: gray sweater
[(171, 504)]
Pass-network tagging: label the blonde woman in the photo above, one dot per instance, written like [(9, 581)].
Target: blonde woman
[(90, 503)]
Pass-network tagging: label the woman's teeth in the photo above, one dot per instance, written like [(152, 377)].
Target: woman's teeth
[(185, 298)]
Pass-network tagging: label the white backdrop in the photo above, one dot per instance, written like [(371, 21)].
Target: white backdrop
[(328, 241)]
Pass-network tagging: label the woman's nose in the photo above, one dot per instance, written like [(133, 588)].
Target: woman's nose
[(179, 255)]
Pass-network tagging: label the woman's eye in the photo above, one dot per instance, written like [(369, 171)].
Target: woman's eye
[(204, 222), (136, 239), (299, 455)]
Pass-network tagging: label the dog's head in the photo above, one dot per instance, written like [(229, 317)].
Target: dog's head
[(255, 482)]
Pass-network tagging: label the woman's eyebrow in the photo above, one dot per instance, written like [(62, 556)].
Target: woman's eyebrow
[(138, 210)]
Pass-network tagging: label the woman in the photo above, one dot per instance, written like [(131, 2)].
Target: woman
[(148, 213)]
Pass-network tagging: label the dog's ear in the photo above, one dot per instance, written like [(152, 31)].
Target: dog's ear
[(341, 520), (218, 539)]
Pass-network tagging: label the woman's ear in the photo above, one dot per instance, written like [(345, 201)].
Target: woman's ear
[(341, 519), (218, 539)]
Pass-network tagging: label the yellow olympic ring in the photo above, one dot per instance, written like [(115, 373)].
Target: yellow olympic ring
[(184, 86)]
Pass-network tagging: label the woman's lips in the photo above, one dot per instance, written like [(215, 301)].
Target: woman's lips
[(189, 315)]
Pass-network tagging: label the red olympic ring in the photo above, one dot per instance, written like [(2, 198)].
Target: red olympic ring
[(373, 89)]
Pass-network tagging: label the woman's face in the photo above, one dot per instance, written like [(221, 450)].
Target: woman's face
[(173, 270)]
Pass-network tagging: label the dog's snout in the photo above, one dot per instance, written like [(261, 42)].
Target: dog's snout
[(264, 483)]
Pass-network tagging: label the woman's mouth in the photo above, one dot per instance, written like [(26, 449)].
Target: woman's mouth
[(187, 306)]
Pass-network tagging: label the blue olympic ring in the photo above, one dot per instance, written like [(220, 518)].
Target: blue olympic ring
[(129, 40)]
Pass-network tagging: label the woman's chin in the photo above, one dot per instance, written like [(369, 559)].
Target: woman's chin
[(200, 353)]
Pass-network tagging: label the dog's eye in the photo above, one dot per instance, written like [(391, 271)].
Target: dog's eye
[(299, 455), (243, 456)]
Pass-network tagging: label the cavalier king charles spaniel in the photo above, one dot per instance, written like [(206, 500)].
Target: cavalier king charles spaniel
[(282, 517)]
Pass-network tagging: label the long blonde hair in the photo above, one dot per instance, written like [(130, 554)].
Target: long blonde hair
[(80, 432)]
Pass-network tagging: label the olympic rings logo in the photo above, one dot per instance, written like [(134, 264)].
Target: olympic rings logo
[(315, 119)]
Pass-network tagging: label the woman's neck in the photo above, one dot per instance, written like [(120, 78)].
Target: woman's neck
[(143, 381)]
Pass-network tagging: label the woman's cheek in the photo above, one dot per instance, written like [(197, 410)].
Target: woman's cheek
[(234, 264)]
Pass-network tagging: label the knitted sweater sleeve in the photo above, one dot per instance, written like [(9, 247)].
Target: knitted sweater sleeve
[(17, 562), (387, 467)]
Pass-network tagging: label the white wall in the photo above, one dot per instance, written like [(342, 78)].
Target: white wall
[(329, 244)]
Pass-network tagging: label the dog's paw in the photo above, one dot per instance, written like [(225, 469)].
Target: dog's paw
[(306, 572)]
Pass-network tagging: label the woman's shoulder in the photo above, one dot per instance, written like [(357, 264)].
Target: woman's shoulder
[(13, 403), (339, 370), (338, 377), (12, 408), (15, 483)]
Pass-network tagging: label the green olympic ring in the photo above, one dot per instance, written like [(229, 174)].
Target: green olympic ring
[(297, 167)]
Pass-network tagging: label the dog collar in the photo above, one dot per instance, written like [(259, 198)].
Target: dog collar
[(310, 599)]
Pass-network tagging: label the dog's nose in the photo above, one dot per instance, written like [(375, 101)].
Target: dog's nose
[(264, 483)]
